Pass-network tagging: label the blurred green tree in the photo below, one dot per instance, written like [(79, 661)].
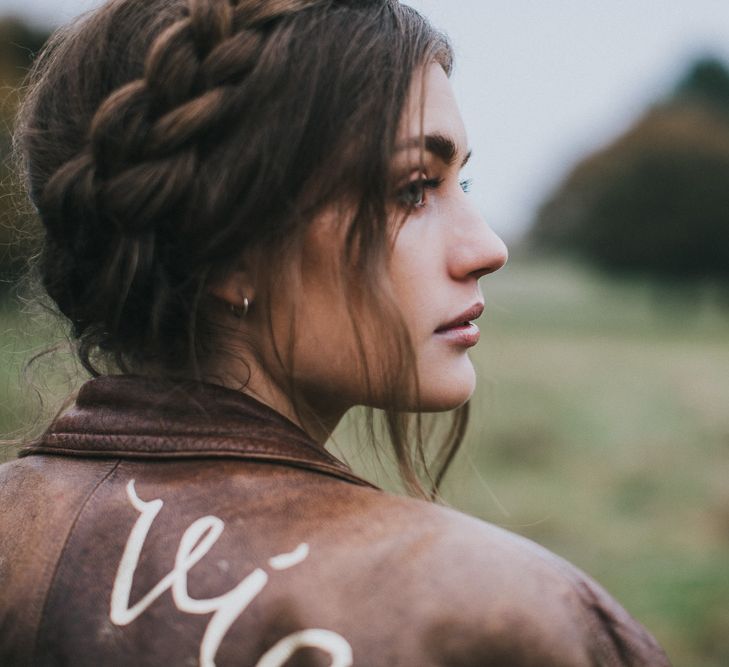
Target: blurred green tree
[(19, 43), (656, 200), (707, 82)]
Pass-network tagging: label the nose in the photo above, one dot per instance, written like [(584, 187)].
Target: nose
[(476, 250)]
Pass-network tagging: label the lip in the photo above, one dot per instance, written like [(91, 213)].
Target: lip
[(463, 320), (461, 330), (465, 335)]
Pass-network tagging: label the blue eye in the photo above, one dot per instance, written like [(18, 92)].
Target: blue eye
[(413, 194)]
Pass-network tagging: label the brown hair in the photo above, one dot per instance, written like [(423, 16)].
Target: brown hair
[(160, 139)]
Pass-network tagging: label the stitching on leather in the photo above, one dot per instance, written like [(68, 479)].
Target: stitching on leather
[(136, 435), (265, 444), (156, 436)]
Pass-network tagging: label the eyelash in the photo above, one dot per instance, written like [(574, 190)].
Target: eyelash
[(418, 188)]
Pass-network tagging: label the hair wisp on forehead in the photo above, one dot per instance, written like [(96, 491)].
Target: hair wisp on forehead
[(161, 139)]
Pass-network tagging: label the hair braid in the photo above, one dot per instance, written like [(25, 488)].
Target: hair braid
[(141, 148), (135, 175)]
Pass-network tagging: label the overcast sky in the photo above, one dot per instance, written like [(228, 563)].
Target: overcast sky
[(541, 83)]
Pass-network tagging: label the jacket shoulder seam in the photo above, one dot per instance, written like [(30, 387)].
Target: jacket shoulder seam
[(607, 647), (52, 579)]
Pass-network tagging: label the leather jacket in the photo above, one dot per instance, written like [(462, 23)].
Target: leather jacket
[(166, 523)]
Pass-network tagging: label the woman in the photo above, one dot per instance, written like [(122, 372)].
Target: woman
[(254, 221)]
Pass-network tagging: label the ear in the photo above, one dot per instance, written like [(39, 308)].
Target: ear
[(233, 288)]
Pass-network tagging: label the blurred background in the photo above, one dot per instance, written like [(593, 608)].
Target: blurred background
[(601, 422)]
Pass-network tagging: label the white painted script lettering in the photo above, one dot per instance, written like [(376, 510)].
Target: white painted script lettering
[(337, 646), (196, 542)]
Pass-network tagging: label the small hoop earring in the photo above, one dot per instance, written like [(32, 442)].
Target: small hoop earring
[(239, 311)]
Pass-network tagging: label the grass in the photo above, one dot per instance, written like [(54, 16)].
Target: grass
[(600, 429), (30, 393)]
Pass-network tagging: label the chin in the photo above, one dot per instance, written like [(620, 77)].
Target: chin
[(447, 391)]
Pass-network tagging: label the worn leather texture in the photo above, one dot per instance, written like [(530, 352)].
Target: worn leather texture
[(166, 523)]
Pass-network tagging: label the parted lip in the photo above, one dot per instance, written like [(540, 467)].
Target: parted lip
[(474, 312)]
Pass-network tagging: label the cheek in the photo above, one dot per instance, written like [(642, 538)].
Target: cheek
[(416, 278), (326, 351), (425, 291)]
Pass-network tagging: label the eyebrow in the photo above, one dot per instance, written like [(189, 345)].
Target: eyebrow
[(441, 146)]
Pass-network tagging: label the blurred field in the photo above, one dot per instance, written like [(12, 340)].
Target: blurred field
[(600, 429)]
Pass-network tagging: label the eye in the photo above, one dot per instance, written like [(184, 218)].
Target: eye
[(413, 194)]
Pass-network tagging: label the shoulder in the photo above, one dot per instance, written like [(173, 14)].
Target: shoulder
[(513, 601), (406, 582)]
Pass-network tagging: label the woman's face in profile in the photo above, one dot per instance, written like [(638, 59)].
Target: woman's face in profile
[(440, 251), (444, 246)]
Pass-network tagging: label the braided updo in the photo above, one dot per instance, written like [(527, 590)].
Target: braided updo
[(162, 138)]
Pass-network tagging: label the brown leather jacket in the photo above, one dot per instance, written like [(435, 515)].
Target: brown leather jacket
[(165, 524)]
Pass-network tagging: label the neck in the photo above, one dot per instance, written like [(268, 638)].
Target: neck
[(319, 423)]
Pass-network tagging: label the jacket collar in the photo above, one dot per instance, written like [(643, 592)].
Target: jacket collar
[(133, 417)]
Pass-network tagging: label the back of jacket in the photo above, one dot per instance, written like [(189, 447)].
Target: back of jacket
[(158, 524)]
